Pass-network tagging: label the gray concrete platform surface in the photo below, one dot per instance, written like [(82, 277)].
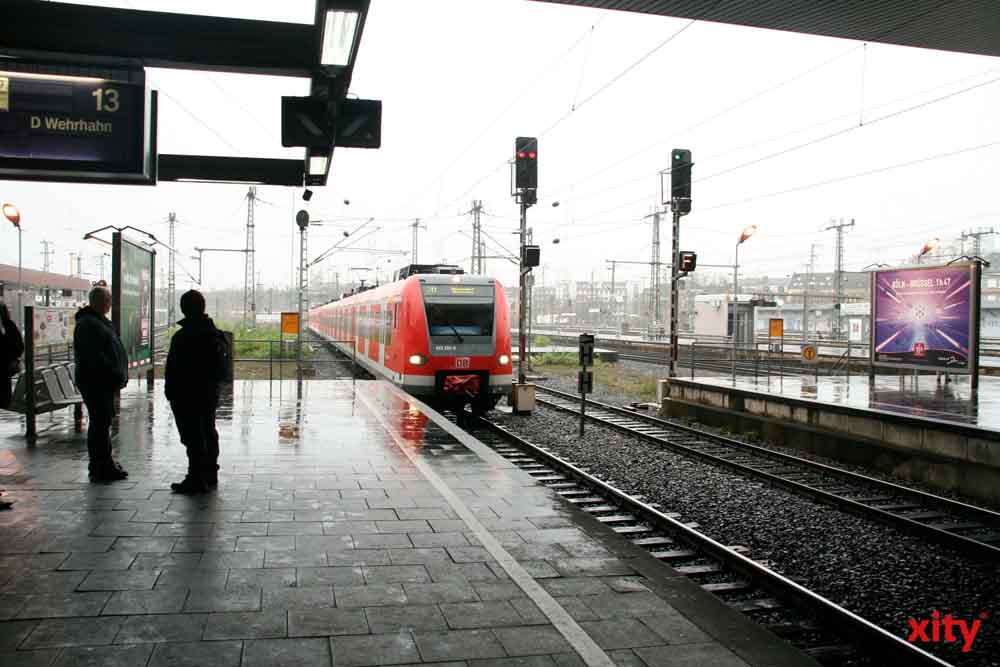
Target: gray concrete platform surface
[(352, 527)]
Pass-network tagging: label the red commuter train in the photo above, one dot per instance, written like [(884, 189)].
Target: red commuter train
[(436, 335)]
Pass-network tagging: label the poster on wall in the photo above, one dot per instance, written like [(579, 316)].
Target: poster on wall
[(53, 326), (855, 333), (132, 288), (925, 317)]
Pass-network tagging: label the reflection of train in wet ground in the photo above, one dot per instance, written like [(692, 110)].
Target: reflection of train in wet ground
[(435, 332)]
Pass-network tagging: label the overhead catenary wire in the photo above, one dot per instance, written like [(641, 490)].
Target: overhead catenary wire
[(645, 176), (545, 71), (601, 89), (848, 177)]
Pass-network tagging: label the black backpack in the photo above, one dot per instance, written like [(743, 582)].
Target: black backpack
[(222, 358)]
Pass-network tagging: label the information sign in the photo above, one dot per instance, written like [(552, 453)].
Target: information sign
[(290, 323), (62, 127), (856, 332), (809, 354), (925, 317), (53, 326), (776, 328)]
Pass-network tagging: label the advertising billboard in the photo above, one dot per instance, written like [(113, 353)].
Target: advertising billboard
[(926, 317), (132, 289)]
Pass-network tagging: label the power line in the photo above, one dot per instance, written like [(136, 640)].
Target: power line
[(514, 101), (870, 172), (590, 97), (200, 121), (708, 119), (844, 131), (801, 129)]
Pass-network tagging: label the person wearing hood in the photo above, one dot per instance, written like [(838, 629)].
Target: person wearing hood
[(196, 369), (101, 372)]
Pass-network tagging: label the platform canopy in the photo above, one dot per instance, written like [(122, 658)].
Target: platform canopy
[(83, 36), (965, 26)]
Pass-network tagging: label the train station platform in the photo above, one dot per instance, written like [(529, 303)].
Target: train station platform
[(920, 428), (355, 526)]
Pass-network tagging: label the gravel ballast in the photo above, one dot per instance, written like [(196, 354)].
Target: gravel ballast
[(878, 572)]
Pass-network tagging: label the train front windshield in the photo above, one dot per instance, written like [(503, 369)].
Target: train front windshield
[(462, 319), (459, 313)]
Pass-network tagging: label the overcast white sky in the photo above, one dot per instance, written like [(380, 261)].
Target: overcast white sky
[(460, 79)]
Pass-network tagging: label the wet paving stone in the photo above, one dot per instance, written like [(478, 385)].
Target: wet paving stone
[(325, 544)]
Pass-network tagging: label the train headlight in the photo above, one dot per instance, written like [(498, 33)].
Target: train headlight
[(503, 359), (418, 359)]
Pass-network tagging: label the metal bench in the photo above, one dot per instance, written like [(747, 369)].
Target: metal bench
[(53, 389)]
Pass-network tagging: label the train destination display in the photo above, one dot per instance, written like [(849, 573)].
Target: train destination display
[(925, 317), (75, 128)]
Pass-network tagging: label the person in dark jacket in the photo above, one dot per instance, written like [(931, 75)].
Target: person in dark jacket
[(11, 349), (196, 369), (101, 372)]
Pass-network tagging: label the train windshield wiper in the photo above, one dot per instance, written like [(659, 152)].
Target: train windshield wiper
[(457, 335)]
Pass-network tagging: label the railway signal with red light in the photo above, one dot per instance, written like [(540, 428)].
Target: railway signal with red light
[(526, 163), (689, 260)]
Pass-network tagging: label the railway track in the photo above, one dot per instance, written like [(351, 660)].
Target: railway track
[(827, 632), (972, 530), (722, 365)]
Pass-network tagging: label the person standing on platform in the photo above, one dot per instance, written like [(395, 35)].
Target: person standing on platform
[(101, 372), (11, 349), (196, 369)]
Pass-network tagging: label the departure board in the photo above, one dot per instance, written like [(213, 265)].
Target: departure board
[(59, 127)]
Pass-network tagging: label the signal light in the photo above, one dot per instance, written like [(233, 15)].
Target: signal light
[(680, 179), (689, 260), (526, 163)]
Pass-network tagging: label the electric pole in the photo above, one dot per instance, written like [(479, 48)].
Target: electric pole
[(46, 254), (171, 271), (613, 308), (476, 265), (249, 297), (416, 226), (838, 276), (72, 264), (654, 270), (976, 237), (810, 267)]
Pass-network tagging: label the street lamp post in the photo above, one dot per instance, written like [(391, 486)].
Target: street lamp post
[(747, 233), (928, 247), (13, 215)]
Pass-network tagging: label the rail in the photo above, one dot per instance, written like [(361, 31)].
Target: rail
[(608, 504), (968, 528)]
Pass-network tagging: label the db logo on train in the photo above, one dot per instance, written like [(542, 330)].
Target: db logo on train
[(461, 362)]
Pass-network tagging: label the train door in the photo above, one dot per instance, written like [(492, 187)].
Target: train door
[(383, 334), (354, 329), (373, 329)]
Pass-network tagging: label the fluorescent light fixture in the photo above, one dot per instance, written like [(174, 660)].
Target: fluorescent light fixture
[(212, 180), (52, 77), (318, 164), (339, 32)]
